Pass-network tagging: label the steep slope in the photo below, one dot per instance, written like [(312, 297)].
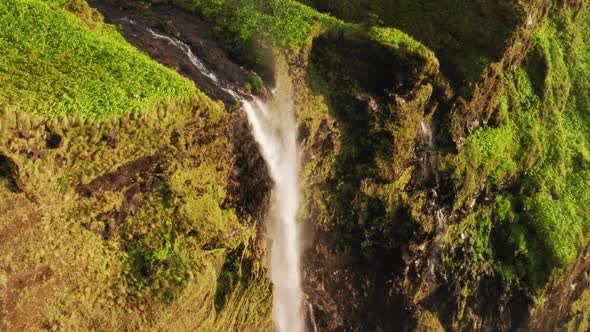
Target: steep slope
[(120, 186), (467, 36)]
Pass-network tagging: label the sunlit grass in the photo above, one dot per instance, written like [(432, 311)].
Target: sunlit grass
[(53, 64)]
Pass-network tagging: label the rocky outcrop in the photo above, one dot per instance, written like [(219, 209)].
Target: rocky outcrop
[(476, 108)]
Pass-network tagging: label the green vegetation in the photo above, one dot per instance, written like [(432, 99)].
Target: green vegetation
[(579, 316), (154, 242), (466, 35), (119, 177), (249, 28), (116, 199), (402, 42), (362, 139), (472, 234), (543, 147), (52, 63), (255, 84)]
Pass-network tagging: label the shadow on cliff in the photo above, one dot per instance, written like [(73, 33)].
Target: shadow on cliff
[(364, 84), (466, 35)]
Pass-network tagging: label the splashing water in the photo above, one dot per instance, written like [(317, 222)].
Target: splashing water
[(273, 127)]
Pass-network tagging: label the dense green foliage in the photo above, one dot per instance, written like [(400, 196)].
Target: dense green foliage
[(514, 197), (51, 63), (466, 35), (251, 28), (543, 146)]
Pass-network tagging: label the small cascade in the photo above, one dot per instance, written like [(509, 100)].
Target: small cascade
[(427, 134), (274, 129), (434, 258)]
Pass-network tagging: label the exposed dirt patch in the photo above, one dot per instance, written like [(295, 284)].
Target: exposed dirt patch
[(11, 291), (20, 215), (123, 176)]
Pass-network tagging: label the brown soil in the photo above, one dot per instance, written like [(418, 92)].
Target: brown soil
[(11, 293)]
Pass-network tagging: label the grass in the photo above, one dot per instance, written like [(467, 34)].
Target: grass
[(160, 260), (53, 64), (249, 29), (286, 24), (579, 316), (63, 73), (186, 244)]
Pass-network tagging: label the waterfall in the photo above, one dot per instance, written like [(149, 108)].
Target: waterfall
[(274, 129), (427, 133)]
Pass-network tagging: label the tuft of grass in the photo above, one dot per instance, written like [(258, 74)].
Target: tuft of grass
[(255, 84)]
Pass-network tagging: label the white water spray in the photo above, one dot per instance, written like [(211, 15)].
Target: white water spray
[(273, 127)]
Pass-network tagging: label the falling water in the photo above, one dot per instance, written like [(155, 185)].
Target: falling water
[(273, 127), (427, 133)]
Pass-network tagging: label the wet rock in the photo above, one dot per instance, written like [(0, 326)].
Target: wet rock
[(174, 137), (168, 27), (303, 132), (109, 229), (132, 5), (10, 170)]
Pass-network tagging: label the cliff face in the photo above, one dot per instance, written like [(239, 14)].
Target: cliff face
[(451, 217), (444, 179)]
